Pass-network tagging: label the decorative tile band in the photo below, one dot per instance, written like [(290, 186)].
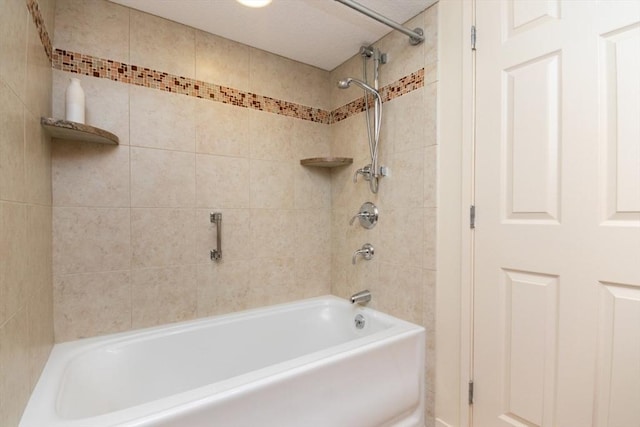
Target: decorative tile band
[(132, 74), (36, 15), (105, 68), (394, 90)]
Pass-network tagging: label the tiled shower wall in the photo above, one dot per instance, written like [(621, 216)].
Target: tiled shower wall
[(401, 276), (26, 304), (131, 228), (131, 222)]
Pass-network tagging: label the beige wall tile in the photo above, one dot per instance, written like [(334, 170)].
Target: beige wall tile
[(429, 321), (38, 90), (312, 187), (222, 129), (313, 275), (161, 178), (271, 184), (37, 152), (48, 10), (91, 304), (310, 139), (13, 45), (224, 287), (404, 188), (11, 145), (430, 176), (236, 232), (282, 78), (163, 295), (430, 244), (431, 34), (409, 124), (39, 246), (40, 311), (222, 182), (272, 281), (401, 237), (273, 232), (312, 232), (106, 102), (162, 237), (13, 252), (94, 27), (431, 112), (92, 175), (406, 303), (362, 275), (350, 68), (14, 365), (270, 136), (162, 45), (162, 119), (222, 61), (90, 239), (403, 58)]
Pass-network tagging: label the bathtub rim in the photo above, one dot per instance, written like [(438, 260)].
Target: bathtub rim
[(45, 395)]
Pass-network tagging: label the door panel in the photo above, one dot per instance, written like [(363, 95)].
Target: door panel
[(557, 237)]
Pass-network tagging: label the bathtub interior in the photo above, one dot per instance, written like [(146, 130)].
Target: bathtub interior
[(130, 371)]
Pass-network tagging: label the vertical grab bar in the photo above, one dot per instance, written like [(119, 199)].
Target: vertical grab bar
[(216, 218)]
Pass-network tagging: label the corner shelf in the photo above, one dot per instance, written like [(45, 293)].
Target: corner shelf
[(64, 129), (326, 162)]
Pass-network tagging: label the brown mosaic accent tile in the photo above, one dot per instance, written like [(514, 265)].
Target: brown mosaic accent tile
[(394, 90), (88, 65), (36, 15)]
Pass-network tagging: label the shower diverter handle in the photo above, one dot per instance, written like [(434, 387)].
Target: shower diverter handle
[(366, 252), (365, 172)]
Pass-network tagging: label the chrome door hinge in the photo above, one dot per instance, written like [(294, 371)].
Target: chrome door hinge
[(472, 216), (473, 37), (470, 392)]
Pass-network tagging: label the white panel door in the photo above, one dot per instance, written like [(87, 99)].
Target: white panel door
[(557, 192)]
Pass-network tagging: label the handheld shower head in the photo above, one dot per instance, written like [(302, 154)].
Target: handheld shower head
[(345, 83)]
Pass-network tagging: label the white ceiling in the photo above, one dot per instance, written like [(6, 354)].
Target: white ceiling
[(323, 33)]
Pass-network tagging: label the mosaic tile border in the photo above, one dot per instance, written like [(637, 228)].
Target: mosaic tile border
[(89, 65), (36, 15), (394, 90)]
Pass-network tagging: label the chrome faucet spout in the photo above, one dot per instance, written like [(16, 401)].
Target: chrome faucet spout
[(361, 297)]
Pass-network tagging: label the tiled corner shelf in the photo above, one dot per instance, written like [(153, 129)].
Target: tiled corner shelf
[(326, 162), (64, 129)]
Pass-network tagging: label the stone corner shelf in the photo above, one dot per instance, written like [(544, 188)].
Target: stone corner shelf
[(64, 129), (327, 162)]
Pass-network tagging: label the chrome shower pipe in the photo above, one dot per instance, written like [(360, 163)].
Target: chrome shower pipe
[(416, 36), (377, 122)]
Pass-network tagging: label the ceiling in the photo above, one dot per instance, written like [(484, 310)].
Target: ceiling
[(322, 33)]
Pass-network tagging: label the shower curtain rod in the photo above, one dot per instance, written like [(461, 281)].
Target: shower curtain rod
[(415, 36)]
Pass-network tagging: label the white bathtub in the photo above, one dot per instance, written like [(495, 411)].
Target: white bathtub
[(301, 364)]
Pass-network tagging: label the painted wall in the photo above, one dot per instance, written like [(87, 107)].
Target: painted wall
[(26, 327), (402, 274)]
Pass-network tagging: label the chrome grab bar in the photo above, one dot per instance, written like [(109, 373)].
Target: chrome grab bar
[(216, 218)]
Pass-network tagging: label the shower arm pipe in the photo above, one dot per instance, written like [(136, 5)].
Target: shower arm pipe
[(416, 36)]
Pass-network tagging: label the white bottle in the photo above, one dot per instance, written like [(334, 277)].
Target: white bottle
[(74, 102)]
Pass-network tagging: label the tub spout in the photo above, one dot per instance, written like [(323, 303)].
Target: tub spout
[(361, 297)]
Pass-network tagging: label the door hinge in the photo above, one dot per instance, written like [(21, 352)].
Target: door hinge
[(472, 216), (470, 392), (473, 37)]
